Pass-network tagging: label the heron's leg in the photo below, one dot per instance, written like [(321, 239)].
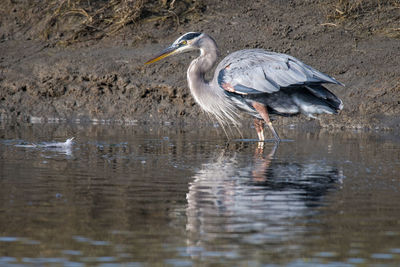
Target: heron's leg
[(259, 125), (262, 110)]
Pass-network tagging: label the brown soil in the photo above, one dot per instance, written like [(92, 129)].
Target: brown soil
[(77, 65)]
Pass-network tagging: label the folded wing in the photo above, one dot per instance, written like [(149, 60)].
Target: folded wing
[(258, 71)]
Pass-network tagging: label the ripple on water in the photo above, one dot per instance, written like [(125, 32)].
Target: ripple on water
[(186, 197), (382, 256)]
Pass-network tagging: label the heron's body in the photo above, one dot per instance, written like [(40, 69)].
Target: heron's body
[(254, 81)]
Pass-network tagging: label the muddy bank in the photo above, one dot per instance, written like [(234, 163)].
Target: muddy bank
[(90, 77)]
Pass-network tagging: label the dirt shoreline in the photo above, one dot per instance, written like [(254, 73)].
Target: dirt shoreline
[(105, 79)]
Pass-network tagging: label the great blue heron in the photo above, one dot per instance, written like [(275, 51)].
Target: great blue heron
[(254, 81)]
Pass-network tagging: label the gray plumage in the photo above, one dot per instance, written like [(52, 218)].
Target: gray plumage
[(253, 81)]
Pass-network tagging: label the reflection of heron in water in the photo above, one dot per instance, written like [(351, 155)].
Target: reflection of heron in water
[(254, 200)]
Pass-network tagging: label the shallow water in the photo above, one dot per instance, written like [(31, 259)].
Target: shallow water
[(167, 195)]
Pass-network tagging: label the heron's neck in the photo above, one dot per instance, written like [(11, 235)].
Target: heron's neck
[(210, 97), (200, 66)]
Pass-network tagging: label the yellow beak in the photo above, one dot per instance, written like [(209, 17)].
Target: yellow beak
[(165, 53)]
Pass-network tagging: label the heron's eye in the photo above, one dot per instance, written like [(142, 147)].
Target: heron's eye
[(184, 42)]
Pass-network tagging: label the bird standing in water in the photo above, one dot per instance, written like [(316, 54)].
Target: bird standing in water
[(254, 81)]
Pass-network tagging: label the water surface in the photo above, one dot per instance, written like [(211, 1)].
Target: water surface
[(180, 196)]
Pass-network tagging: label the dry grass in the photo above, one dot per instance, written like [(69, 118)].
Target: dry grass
[(346, 9), (365, 15), (391, 32), (77, 20)]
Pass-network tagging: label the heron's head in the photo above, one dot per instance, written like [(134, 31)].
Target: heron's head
[(187, 42)]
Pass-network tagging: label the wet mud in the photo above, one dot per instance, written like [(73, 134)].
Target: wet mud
[(105, 79)]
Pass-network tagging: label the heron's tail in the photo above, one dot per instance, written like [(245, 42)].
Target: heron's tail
[(322, 93), (315, 99)]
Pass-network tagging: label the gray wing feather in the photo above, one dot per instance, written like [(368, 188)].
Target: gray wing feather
[(266, 72)]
